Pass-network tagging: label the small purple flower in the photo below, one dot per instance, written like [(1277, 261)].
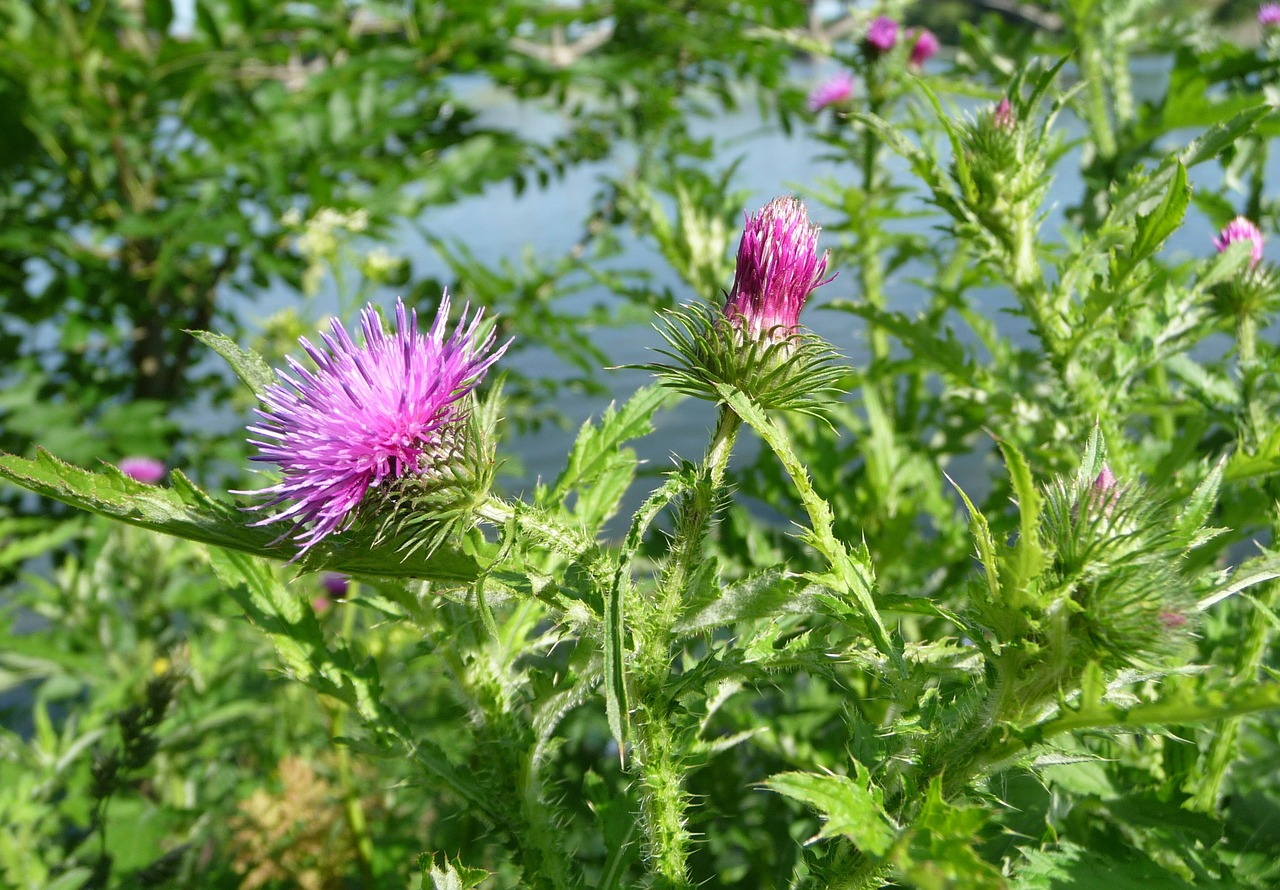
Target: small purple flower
[(1269, 15), (1002, 118), (924, 48), (838, 88), (778, 267), (146, 470), (366, 415), (1241, 229), (335, 584), (882, 35)]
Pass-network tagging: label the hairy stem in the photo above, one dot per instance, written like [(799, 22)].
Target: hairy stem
[(659, 747)]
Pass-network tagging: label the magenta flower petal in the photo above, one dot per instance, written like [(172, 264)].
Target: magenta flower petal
[(778, 267), (1269, 15), (1241, 229), (146, 470), (924, 48), (838, 88), (367, 415), (882, 34)]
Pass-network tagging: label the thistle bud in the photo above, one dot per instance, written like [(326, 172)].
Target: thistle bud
[(1241, 229), (1002, 117), (778, 267), (923, 49), (881, 37), (1269, 15)]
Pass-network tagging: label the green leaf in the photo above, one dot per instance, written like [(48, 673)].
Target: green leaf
[(1255, 571), (1067, 865), (981, 531), (941, 851), (449, 875), (184, 511), (850, 807), (1156, 226), (765, 594), (248, 365), (1029, 556)]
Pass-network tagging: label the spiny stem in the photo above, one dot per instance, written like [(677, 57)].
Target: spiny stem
[(659, 754)]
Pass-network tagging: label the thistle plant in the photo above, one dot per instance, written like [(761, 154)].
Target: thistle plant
[(830, 667)]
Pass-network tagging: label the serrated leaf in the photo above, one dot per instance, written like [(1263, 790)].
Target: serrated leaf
[(247, 364), (1154, 227), (596, 449), (449, 875), (762, 595), (185, 511), (850, 807)]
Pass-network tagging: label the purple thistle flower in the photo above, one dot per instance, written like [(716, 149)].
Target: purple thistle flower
[(924, 48), (882, 35), (1269, 15), (368, 413), (778, 267), (146, 470), (1241, 229), (838, 88)]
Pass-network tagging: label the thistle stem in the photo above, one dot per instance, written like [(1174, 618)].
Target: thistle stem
[(659, 747)]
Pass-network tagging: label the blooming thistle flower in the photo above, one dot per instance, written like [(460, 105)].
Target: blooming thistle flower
[(368, 415), (1269, 15), (146, 470), (778, 267), (882, 35), (1241, 229), (838, 88), (924, 48)]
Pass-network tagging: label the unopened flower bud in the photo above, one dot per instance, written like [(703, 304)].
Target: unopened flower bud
[(923, 49), (1002, 118), (881, 36), (778, 267), (1241, 229)]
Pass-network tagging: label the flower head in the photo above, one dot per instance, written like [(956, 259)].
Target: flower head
[(778, 267), (367, 415), (1241, 229), (838, 88), (146, 470), (1269, 15), (924, 48), (882, 35)]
